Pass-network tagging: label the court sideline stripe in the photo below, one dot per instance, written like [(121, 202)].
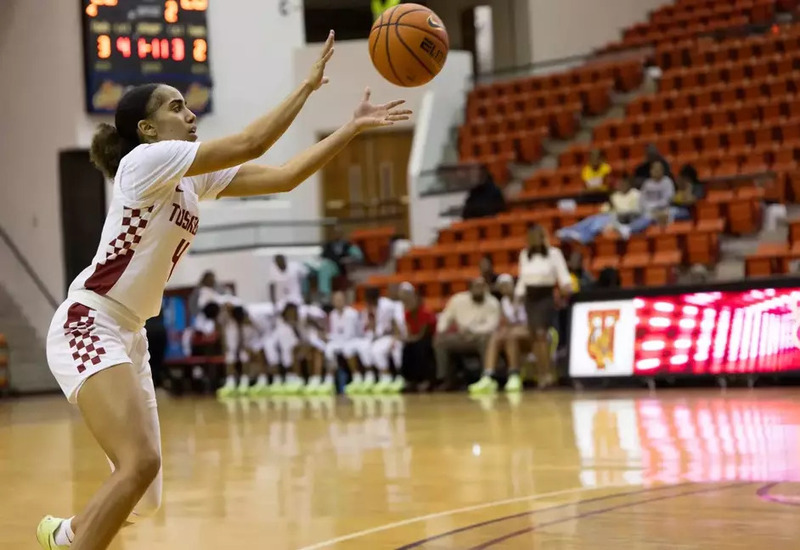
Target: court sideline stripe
[(605, 510), (471, 508), (645, 490)]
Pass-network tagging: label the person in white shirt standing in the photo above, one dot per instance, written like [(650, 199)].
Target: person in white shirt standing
[(344, 327), (512, 331), (382, 342), (542, 271), (286, 281), (96, 344)]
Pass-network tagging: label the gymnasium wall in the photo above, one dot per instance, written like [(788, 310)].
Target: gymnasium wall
[(562, 28), (510, 28)]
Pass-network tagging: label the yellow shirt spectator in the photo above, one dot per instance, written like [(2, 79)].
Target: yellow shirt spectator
[(594, 178)]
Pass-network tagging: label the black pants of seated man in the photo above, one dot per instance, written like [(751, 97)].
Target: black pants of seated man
[(419, 368)]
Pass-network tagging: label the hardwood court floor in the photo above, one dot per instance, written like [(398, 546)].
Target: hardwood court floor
[(676, 469)]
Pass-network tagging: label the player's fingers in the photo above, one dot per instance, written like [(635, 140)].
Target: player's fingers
[(325, 80), (397, 117), (392, 104), (367, 93), (328, 56), (402, 112), (328, 43)]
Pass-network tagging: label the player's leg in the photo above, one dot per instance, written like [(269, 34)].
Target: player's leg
[(360, 364), (230, 387), (316, 350), (396, 354), (244, 379), (381, 351), (515, 335), (118, 412), (273, 357), (487, 383), (292, 354), (258, 370)]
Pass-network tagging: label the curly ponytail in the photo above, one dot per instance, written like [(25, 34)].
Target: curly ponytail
[(111, 143), (106, 150)]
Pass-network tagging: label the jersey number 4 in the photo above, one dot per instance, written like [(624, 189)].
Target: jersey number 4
[(183, 246)]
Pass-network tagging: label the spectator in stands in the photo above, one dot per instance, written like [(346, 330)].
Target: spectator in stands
[(384, 328), (608, 278), (688, 191), (465, 326), (657, 193), (581, 278), (418, 360), (486, 267), (698, 274), (510, 334), (622, 208), (485, 199), (399, 245), (643, 171), (286, 281), (542, 269), (596, 173), (337, 255)]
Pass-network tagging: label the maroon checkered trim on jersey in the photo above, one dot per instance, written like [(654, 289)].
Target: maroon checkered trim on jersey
[(83, 343), (119, 252)]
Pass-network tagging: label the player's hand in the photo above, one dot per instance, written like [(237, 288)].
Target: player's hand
[(317, 77), (368, 115)]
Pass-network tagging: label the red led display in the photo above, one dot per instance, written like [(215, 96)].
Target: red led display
[(752, 331)]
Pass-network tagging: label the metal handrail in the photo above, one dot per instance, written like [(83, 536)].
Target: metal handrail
[(28, 269)]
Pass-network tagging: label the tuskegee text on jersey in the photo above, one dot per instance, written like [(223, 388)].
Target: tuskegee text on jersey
[(184, 219)]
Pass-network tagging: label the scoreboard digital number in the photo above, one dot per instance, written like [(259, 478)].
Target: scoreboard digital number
[(130, 42)]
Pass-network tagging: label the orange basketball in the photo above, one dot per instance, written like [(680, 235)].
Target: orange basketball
[(408, 45)]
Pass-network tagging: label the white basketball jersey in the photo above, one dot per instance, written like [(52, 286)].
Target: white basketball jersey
[(388, 314), (343, 325), (514, 313), (263, 316), (151, 222)]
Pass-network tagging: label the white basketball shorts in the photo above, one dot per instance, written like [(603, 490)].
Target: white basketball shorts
[(83, 341)]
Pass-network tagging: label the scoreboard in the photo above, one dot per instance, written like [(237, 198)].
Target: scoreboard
[(130, 42)]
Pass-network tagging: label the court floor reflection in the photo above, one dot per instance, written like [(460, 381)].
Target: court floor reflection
[(434, 471)]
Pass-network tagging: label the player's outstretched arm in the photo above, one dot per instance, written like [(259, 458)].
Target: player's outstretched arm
[(255, 139), (254, 179)]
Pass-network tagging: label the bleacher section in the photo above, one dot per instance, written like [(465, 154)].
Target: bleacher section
[(508, 121), (686, 19), (730, 107)]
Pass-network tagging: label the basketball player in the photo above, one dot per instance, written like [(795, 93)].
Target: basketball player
[(296, 337), (243, 344), (343, 335), (385, 325), (96, 345)]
